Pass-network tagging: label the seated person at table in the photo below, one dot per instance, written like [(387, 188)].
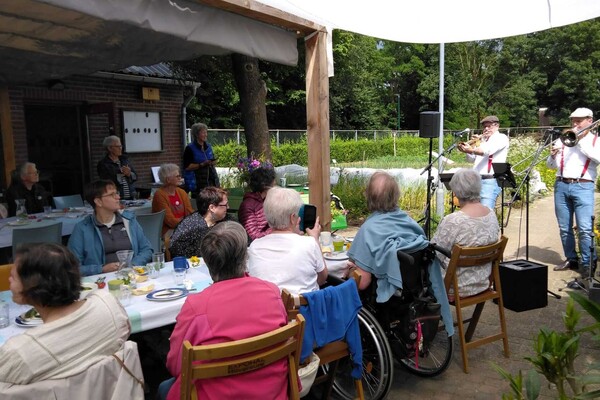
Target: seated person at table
[(234, 307), (97, 238), (174, 200), (251, 214), (285, 256), (25, 186), (76, 333), (212, 208), (387, 230), (473, 225)]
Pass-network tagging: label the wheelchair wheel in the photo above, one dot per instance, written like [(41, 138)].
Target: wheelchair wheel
[(432, 361), (378, 364)]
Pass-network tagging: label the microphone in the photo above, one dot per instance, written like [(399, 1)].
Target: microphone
[(466, 130)]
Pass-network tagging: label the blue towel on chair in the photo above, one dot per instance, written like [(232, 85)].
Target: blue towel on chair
[(331, 315)]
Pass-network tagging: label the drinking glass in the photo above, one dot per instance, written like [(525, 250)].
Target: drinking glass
[(47, 210), (21, 211), (125, 257), (178, 276), (152, 270), (3, 315), (338, 243), (125, 295), (325, 239), (158, 259)]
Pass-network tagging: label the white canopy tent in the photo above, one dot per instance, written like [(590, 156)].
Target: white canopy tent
[(50, 39)]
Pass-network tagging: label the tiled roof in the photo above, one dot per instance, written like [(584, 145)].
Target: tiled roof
[(160, 70)]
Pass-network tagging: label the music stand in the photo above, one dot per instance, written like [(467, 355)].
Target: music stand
[(505, 178), (445, 178)]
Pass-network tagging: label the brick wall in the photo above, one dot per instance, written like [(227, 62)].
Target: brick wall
[(125, 95)]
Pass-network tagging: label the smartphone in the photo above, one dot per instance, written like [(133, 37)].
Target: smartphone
[(308, 217)]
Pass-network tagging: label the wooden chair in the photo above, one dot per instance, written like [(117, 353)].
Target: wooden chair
[(4, 274), (332, 352), (241, 356), (468, 257)]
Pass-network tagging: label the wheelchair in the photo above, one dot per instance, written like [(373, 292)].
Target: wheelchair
[(388, 332)]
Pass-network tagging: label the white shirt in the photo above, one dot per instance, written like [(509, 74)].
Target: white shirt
[(496, 148), (288, 260), (573, 159)]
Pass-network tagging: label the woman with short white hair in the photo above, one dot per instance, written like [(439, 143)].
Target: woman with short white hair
[(171, 198), (286, 257), (117, 168)]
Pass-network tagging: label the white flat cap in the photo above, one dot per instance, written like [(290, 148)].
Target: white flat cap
[(582, 112)]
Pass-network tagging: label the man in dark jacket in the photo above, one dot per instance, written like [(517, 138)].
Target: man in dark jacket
[(25, 186)]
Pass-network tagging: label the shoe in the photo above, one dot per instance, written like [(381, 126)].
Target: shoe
[(568, 265)]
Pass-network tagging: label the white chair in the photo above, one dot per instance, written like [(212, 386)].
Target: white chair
[(47, 233), (152, 226), (73, 200)]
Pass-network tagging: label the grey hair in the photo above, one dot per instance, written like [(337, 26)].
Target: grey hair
[(110, 140), (24, 167), (166, 171), (196, 128), (466, 185), (225, 250), (279, 205)]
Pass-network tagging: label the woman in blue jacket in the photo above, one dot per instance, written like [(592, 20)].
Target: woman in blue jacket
[(97, 238)]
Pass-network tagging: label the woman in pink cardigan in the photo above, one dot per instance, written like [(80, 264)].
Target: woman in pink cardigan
[(251, 214), (174, 200)]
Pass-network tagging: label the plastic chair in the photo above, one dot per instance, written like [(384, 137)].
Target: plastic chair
[(470, 257), (331, 353), (241, 356), (152, 226), (48, 233), (4, 274), (73, 200)]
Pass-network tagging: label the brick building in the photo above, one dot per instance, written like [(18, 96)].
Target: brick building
[(60, 125)]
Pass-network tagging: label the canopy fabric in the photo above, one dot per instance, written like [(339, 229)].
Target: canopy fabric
[(441, 21), (52, 39)]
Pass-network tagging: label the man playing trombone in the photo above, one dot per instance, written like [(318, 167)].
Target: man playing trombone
[(575, 157), (491, 146)]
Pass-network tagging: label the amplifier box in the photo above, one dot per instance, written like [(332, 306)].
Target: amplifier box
[(524, 285)]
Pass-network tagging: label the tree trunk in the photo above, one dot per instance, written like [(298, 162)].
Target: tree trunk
[(253, 94)]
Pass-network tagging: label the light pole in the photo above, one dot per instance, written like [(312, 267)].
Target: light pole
[(398, 96)]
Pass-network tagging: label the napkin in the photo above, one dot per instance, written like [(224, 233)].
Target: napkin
[(143, 290)]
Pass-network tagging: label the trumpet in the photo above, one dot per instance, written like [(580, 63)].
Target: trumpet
[(570, 138)]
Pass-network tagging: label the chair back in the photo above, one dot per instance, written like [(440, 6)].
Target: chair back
[(330, 353), (152, 226), (73, 200), (245, 355), (470, 257), (46, 233), (4, 274)]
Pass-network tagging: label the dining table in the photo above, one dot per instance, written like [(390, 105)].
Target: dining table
[(144, 314)]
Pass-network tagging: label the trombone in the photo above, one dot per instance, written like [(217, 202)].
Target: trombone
[(570, 138)]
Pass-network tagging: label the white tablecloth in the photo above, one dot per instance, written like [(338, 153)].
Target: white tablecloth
[(143, 314)]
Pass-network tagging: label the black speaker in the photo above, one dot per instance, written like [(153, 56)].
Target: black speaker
[(524, 285), (429, 124)]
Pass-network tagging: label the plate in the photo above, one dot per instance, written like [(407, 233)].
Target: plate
[(19, 223), (58, 211), (167, 294), (29, 319), (52, 216), (342, 255), (22, 324)]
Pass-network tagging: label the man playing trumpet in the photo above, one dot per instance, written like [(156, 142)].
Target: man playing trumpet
[(490, 146), (574, 189)]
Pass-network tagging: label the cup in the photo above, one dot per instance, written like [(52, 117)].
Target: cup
[(4, 315), (325, 239), (283, 182), (47, 210), (114, 287), (338, 243), (158, 260), (180, 263), (153, 272), (125, 295), (178, 276)]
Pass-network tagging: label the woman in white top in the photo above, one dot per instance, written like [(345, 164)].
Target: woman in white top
[(473, 225), (285, 256), (75, 334)]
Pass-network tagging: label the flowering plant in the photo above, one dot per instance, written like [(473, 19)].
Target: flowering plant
[(246, 165)]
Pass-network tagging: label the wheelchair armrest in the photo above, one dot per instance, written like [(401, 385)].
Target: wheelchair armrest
[(442, 250)]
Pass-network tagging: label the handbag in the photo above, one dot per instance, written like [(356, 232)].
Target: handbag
[(308, 373)]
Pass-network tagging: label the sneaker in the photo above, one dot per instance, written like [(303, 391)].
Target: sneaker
[(568, 265)]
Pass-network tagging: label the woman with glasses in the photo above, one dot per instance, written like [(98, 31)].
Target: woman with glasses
[(117, 168), (212, 208), (25, 185), (171, 198), (97, 238)]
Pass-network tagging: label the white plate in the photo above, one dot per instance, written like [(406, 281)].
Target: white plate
[(19, 223), (167, 294), (52, 216), (342, 255), (22, 324), (27, 322)]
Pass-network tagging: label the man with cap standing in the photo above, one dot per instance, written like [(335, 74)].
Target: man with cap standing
[(574, 190), (493, 147)]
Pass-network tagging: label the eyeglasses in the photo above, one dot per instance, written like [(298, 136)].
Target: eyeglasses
[(114, 195), (116, 145), (223, 205), (176, 176)]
